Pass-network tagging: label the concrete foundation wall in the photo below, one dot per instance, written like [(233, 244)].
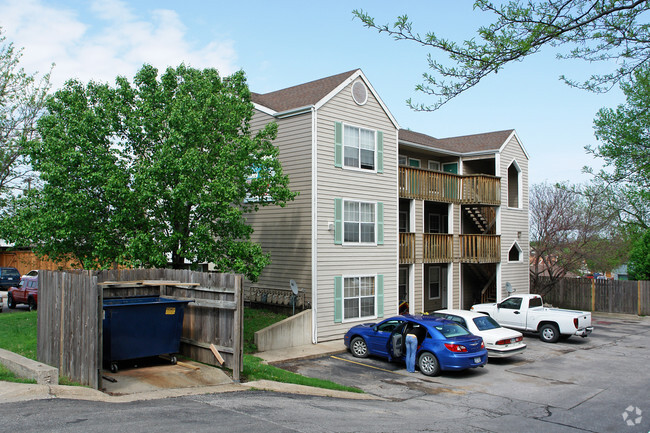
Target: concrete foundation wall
[(292, 331), (28, 368)]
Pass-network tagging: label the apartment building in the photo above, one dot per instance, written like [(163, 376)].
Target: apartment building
[(387, 217)]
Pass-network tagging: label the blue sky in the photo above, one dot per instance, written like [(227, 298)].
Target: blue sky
[(284, 43)]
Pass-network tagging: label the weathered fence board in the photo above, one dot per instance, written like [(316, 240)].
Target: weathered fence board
[(609, 296), (71, 307)]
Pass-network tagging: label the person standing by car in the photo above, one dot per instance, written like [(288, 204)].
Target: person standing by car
[(411, 348)]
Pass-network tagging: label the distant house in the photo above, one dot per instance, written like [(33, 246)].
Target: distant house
[(388, 216)]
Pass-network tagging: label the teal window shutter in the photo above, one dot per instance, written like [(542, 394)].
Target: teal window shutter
[(380, 296), (380, 223), (338, 144), (338, 299), (380, 152), (338, 221)]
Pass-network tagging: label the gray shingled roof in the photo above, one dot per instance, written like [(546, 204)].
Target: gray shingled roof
[(302, 95), (463, 144)]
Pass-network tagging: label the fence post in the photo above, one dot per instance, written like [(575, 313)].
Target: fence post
[(638, 297), (593, 294)]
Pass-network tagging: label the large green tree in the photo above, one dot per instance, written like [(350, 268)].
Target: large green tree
[(639, 264), (160, 170), (624, 136), (22, 98), (592, 30)]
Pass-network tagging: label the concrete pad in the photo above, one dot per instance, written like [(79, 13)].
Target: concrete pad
[(28, 368), (187, 374)]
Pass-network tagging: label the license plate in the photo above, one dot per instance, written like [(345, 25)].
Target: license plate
[(477, 360)]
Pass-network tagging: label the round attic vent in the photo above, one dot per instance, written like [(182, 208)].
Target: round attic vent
[(359, 92)]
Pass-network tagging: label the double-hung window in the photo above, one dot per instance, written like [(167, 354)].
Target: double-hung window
[(359, 222), (358, 147), (358, 297)]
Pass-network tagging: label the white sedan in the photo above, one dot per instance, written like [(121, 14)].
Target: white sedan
[(500, 342)]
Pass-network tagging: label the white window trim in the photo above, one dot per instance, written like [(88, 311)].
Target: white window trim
[(515, 244), (439, 283), (402, 157), (436, 163), (519, 186), (358, 244), (414, 159), (360, 318), (348, 167)]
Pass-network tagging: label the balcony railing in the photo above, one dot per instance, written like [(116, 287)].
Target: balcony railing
[(481, 189), (406, 248), (437, 248), (421, 184), (480, 248)]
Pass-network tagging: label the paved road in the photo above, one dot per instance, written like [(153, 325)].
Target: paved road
[(582, 385)]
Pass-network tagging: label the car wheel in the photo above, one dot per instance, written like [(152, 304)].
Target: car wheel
[(114, 367), (31, 304), (549, 333), (359, 348), (429, 364), (10, 301)]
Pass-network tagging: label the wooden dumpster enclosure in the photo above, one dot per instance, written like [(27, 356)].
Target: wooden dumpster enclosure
[(70, 316)]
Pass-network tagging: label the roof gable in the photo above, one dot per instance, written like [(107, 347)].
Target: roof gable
[(489, 142), (302, 95), (312, 94)]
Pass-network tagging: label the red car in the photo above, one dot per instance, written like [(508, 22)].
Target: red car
[(26, 293)]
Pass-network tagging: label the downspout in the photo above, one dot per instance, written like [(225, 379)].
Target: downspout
[(314, 226)]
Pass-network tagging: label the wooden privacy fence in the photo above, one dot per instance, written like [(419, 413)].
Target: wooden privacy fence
[(70, 311), (608, 296)]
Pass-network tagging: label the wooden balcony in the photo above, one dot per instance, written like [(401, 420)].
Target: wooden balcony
[(437, 248), (406, 248), (481, 189), (480, 248), (421, 184)]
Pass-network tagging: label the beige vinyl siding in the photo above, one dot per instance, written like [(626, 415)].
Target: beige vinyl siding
[(418, 285), (514, 220), (342, 260), (286, 232), (454, 219)]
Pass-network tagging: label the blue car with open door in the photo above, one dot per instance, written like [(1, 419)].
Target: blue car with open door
[(442, 344)]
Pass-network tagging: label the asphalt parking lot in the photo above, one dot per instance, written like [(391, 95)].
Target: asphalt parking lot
[(5, 309), (600, 383)]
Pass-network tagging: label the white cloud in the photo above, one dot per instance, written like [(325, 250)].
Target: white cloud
[(106, 40)]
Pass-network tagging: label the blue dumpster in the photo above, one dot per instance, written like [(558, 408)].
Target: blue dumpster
[(140, 327)]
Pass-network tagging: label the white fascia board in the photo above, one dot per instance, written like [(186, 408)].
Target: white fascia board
[(263, 109), (447, 152), (282, 114), (514, 134), (294, 112), (349, 80)]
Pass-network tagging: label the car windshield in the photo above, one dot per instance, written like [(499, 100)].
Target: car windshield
[(484, 323), (452, 330), (10, 273)]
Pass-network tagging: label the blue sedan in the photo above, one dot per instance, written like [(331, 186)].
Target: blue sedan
[(442, 344)]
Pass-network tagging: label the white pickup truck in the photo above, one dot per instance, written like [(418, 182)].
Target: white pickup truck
[(527, 313)]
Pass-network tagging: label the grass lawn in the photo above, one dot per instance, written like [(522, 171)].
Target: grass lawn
[(18, 334)]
